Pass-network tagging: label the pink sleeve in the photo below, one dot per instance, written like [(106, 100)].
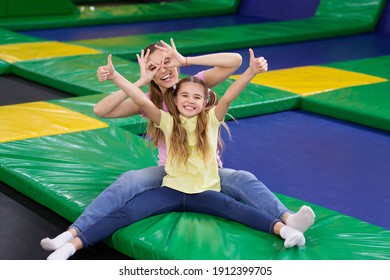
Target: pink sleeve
[(200, 75)]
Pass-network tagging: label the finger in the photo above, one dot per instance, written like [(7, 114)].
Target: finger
[(164, 44), (147, 54), (173, 44), (109, 60), (251, 53)]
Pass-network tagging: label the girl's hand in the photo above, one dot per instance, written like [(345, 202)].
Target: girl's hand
[(257, 64), (106, 72), (173, 57), (147, 69)]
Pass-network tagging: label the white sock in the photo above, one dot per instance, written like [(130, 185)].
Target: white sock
[(55, 243), (63, 253), (301, 220), (292, 237)]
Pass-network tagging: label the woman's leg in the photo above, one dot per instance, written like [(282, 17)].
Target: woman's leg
[(125, 188), (246, 188), (243, 186), (147, 204)]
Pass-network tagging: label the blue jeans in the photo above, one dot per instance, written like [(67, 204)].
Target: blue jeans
[(241, 185), (165, 199)]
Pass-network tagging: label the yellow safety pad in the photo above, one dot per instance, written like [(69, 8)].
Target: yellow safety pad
[(35, 119), (39, 50), (308, 80)]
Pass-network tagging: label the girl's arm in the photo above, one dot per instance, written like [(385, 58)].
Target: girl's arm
[(225, 64), (256, 66), (117, 104), (133, 91)]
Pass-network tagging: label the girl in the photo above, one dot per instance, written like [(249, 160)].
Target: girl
[(191, 183)]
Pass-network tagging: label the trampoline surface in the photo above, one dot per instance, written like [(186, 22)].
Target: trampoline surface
[(332, 163)]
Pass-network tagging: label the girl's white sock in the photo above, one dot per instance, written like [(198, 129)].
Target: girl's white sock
[(63, 253), (292, 237), (302, 220), (57, 242)]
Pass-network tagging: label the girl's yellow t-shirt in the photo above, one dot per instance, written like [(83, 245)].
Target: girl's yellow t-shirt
[(197, 175)]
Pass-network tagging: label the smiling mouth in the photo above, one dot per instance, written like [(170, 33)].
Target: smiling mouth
[(166, 77)]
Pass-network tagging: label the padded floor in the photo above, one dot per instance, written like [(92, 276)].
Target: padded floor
[(334, 164)]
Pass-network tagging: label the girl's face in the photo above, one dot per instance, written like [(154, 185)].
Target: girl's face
[(190, 99), (166, 77)]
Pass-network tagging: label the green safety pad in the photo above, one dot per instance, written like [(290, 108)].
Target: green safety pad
[(59, 73), (333, 18), (66, 172), (108, 14), (5, 67), (334, 236), (10, 37), (84, 104), (367, 105), (53, 169), (28, 8)]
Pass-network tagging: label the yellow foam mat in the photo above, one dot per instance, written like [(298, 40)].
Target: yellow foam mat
[(308, 80), (35, 119), (39, 50)]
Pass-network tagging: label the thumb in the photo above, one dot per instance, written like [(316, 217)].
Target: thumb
[(109, 60), (251, 54)]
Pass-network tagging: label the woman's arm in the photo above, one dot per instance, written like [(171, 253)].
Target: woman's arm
[(134, 92), (117, 104), (256, 66), (224, 64)]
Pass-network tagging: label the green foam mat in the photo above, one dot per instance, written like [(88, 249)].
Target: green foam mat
[(367, 105), (60, 73), (66, 172), (84, 104), (5, 67), (52, 169), (136, 12), (10, 37), (333, 237), (331, 19)]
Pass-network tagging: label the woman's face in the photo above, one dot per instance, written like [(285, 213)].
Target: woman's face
[(166, 77)]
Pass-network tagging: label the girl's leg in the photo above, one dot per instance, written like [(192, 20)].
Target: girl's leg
[(243, 186), (218, 204), (126, 187)]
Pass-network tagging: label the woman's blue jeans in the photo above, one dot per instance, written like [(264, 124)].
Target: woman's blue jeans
[(165, 199), (240, 185)]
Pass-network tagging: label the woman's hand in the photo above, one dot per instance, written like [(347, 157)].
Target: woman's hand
[(106, 72), (257, 64), (173, 58), (147, 70)]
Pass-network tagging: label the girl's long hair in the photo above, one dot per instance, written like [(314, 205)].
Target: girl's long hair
[(179, 139)]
